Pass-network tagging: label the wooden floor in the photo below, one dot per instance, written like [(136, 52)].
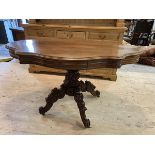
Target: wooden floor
[(126, 106)]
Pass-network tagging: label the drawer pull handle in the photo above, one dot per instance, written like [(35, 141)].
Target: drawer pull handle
[(102, 37)]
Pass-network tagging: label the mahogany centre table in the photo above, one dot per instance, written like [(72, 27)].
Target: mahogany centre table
[(73, 56)]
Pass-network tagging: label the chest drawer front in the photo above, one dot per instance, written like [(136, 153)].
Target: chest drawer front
[(40, 32), (62, 34), (103, 36), (77, 35), (70, 35), (48, 33), (30, 32)]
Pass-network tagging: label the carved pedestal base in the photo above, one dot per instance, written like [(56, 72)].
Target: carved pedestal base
[(72, 87)]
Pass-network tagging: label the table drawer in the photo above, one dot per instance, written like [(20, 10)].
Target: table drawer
[(102, 36)]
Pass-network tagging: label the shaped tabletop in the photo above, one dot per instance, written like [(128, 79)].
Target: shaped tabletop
[(71, 54)]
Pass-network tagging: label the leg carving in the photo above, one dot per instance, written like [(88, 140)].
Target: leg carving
[(82, 86), (91, 88), (51, 99), (78, 97), (71, 86)]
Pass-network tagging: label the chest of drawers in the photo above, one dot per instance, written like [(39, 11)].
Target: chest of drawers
[(83, 29)]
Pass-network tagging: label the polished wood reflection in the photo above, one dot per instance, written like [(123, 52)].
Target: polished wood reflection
[(86, 52)]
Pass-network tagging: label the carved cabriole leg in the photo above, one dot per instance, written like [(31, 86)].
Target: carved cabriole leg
[(72, 87), (51, 99), (78, 97), (91, 88)]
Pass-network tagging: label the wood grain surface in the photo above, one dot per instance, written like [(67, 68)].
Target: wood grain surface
[(71, 54)]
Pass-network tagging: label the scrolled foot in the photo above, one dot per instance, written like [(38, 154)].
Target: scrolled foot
[(42, 111), (87, 123), (51, 99), (97, 93)]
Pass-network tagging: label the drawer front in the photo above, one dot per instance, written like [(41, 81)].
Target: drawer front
[(62, 34), (48, 33), (70, 35), (77, 35), (103, 36), (30, 32), (40, 32)]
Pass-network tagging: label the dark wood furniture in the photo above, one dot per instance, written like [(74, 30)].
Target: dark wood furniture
[(148, 57), (140, 32), (3, 34), (72, 56), (18, 33)]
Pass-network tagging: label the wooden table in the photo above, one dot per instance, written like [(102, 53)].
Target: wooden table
[(72, 56)]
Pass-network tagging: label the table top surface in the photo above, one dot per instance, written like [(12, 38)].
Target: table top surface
[(71, 51)]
